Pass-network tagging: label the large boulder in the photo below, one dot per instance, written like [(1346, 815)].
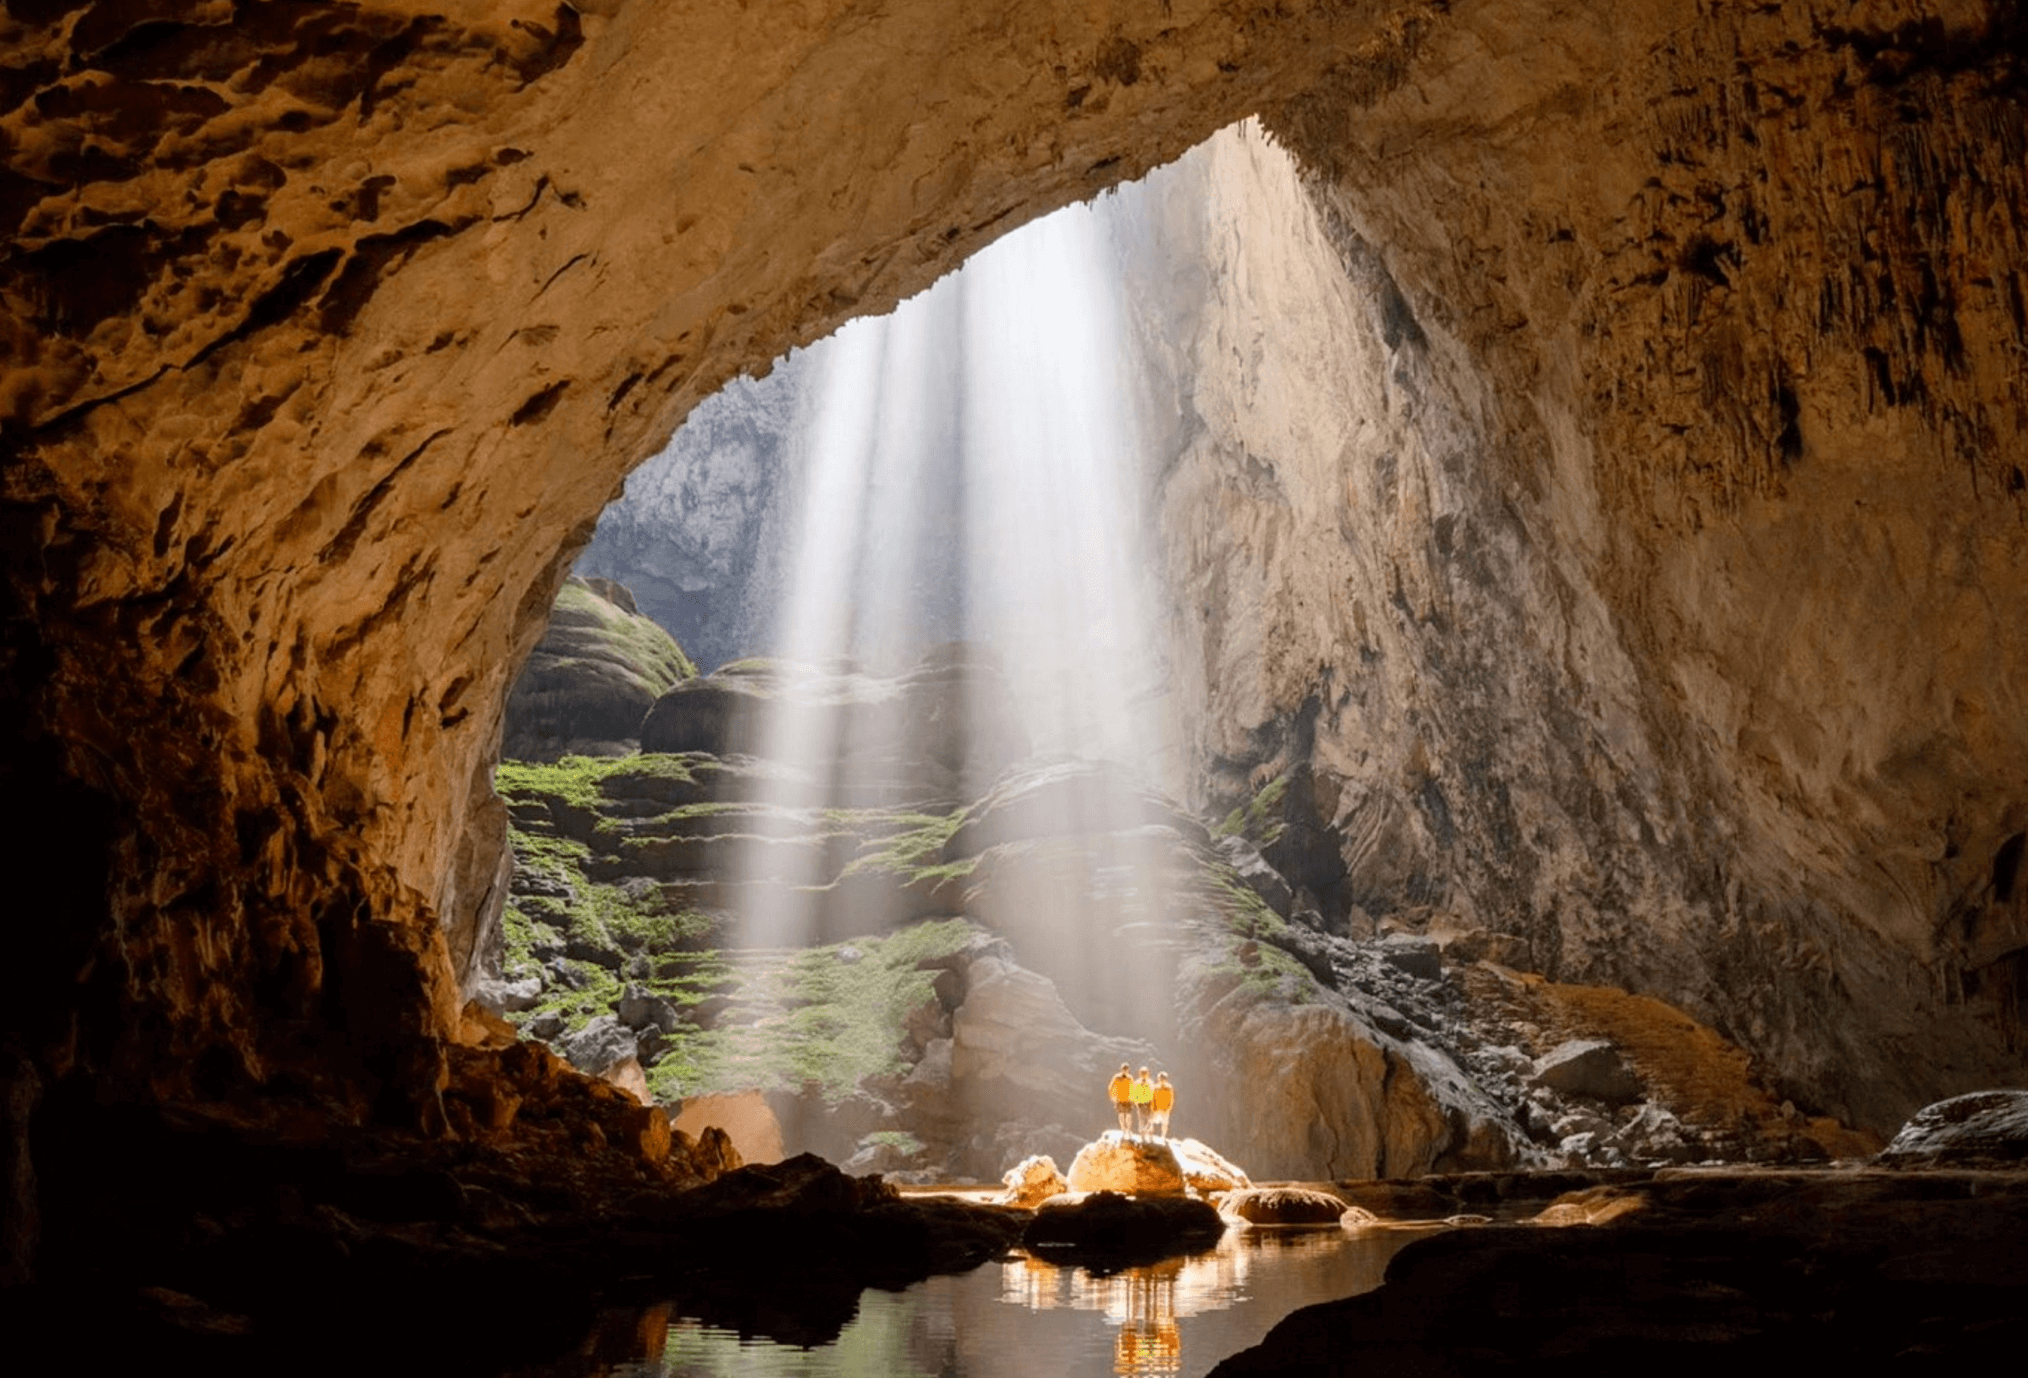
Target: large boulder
[(1205, 1169), (1588, 1067), (1125, 1229), (1983, 1128), (1283, 1206), (601, 1045), (1311, 1089), (1016, 1047), (1130, 1164), (593, 677), (1032, 1181)]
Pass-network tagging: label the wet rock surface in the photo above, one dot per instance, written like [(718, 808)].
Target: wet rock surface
[(1282, 1206), (1111, 1230), (1692, 1267)]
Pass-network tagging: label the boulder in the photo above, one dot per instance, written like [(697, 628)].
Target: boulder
[(1015, 1045), (592, 678), (1106, 1225), (742, 1119), (1307, 1089), (1588, 1067), (1205, 1170), (639, 1009), (1980, 1129), (1130, 1164), (1418, 956), (507, 997), (1283, 1206), (599, 1046), (1032, 1181)]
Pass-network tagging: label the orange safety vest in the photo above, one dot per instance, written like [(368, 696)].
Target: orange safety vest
[(1120, 1088), (1165, 1095)]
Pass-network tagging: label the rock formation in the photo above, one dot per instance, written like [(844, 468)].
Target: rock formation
[(1658, 431), (591, 679)]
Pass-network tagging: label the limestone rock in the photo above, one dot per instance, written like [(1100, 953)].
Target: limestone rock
[(1130, 1164), (1032, 1181), (1588, 1067), (639, 1010), (1064, 799), (1981, 1129), (941, 729), (1015, 1045), (1314, 1090), (1127, 1228), (1205, 1170), (1283, 1206), (591, 679), (602, 1044), (742, 1122)]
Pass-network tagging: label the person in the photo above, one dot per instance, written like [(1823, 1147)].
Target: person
[(1144, 1096), (1163, 1102), (1121, 1089)]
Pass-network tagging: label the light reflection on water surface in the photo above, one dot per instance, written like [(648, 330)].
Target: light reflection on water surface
[(1026, 1316)]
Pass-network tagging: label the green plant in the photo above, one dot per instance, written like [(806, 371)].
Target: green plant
[(1259, 819)]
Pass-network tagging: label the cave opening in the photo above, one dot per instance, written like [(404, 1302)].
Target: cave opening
[(916, 568), (1648, 630)]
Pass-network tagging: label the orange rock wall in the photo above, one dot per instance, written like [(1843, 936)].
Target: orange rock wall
[(330, 327)]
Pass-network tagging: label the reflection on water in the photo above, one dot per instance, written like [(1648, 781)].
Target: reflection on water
[(1026, 1316)]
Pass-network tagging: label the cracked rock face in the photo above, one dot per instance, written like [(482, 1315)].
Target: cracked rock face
[(1629, 557), (1683, 504)]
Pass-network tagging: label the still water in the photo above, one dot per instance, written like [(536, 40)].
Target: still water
[(1024, 1316)]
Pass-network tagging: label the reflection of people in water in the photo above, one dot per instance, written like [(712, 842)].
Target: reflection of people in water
[(1121, 1089), (1148, 1348), (1144, 1098), (1160, 1104), (1148, 1342)]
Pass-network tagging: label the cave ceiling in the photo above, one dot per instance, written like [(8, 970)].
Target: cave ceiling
[(330, 328)]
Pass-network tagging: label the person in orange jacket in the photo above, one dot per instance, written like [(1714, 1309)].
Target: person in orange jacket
[(1144, 1097), (1121, 1089), (1159, 1107)]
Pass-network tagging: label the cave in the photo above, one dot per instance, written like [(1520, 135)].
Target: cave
[(1665, 620)]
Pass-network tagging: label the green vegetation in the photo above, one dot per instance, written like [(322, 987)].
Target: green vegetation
[(1251, 950), (581, 781), (642, 642), (1259, 820), (824, 1017), (913, 850)]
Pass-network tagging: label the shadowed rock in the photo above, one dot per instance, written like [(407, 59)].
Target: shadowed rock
[(1983, 1128)]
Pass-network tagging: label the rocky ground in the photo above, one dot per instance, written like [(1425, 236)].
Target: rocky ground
[(927, 959)]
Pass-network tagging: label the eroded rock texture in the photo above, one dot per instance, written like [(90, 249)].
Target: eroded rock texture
[(329, 329), (1684, 510), (1632, 561)]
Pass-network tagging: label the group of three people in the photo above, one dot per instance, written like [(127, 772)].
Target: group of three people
[(1143, 1105)]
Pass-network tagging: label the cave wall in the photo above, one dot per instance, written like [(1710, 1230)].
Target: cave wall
[(330, 328), (1630, 546)]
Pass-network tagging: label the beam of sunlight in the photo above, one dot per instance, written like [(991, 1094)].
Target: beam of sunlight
[(967, 514)]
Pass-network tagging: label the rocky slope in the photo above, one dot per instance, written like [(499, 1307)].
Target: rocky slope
[(1606, 584), (921, 986)]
